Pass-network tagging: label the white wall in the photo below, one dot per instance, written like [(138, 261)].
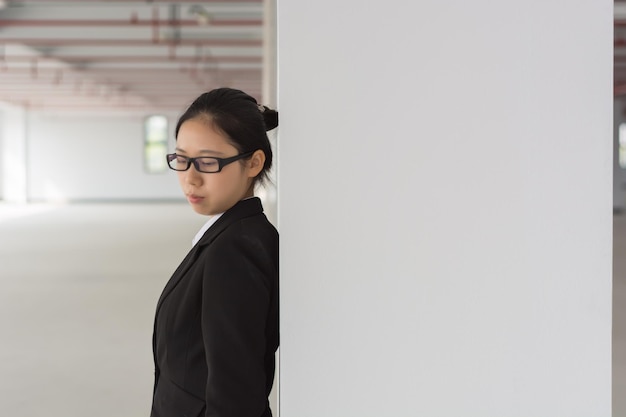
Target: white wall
[(97, 157), (2, 152), (445, 208), (13, 153)]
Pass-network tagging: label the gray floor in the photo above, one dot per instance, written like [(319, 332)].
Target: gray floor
[(79, 286), (79, 289)]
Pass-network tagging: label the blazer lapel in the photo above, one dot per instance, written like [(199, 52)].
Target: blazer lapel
[(239, 211)]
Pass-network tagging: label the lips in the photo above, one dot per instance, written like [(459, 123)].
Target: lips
[(194, 199)]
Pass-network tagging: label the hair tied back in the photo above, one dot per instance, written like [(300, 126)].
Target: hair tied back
[(270, 117)]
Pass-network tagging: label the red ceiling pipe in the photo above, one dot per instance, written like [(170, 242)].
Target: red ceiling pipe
[(619, 90), (142, 59), (154, 84), (140, 74), (132, 42), (142, 71), (155, 24), (190, 91), (154, 95), (58, 78), (34, 72), (67, 79), (85, 2), (132, 22), (184, 85)]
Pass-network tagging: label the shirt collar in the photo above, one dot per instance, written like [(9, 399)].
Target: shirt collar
[(204, 228)]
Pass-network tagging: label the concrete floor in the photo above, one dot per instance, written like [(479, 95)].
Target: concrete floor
[(79, 288)]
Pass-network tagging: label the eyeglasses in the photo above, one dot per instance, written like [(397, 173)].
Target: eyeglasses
[(207, 164)]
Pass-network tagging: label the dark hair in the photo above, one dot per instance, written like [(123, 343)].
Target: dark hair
[(240, 118)]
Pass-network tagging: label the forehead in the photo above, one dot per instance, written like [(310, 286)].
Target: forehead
[(200, 134)]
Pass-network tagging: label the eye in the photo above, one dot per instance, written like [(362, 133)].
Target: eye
[(208, 163), (181, 159)]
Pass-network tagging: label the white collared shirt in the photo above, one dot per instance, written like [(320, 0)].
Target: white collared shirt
[(204, 228), (208, 224)]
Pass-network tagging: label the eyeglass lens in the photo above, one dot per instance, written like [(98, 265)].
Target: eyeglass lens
[(202, 164)]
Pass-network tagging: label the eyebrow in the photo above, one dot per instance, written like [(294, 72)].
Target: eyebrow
[(201, 152)]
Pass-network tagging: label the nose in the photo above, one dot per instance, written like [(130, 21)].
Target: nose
[(193, 176)]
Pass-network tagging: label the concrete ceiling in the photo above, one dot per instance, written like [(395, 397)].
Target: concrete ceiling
[(152, 55), (127, 55)]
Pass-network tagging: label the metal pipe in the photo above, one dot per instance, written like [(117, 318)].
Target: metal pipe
[(122, 2), (139, 59), (141, 72), (34, 72), (116, 23), (131, 42), (155, 24), (619, 90)]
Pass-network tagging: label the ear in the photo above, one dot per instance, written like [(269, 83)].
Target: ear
[(255, 163)]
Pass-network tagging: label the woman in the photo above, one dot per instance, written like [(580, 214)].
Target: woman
[(216, 325)]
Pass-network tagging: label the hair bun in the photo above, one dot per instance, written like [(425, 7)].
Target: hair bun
[(270, 117)]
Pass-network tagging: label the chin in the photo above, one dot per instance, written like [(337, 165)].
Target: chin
[(202, 210)]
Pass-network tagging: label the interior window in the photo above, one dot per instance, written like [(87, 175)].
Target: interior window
[(155, 144)]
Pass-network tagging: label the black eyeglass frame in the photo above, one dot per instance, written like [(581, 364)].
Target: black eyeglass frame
[(221, 162)]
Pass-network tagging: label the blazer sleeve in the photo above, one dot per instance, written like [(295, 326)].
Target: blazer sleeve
[(235, 304)]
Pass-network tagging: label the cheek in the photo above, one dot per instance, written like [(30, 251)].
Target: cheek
[(182, 179), (235, 176)]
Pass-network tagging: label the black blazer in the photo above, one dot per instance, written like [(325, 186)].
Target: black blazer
[(216, 325)]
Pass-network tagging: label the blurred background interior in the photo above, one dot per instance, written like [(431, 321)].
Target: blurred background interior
[(92, 224)]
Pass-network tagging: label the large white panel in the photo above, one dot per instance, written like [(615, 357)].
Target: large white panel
[(445, 208)]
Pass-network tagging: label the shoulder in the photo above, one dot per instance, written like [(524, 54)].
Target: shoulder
[(251, 239), (254, 232), (246, 218), (244, 255), (255, 225)]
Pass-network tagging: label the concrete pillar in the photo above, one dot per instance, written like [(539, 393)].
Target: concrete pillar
[(269, 193)]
